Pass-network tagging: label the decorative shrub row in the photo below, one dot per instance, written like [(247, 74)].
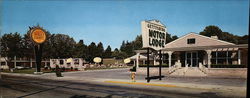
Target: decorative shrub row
[(227, 66), (133, 69), (65, 69), (145, 65)]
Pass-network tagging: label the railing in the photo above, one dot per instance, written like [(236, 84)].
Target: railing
[(203, 68), (185, 70), (173, 68)]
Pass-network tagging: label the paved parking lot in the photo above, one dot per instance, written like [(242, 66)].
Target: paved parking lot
[(218, 87)]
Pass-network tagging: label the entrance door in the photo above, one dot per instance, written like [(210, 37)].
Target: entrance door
[(192, 59)]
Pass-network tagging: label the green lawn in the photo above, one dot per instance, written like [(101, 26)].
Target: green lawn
[(31, 71), (104, 68), (25, 71), (111, 61)]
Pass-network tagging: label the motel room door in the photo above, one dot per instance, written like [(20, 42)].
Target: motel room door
[(192, 59)]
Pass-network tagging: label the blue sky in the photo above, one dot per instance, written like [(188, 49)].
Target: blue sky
[(113, 21)]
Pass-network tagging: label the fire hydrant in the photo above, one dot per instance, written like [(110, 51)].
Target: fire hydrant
[(133, 71), (133, 76)]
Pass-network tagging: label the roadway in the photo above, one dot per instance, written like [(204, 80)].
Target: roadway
[(94, 84)]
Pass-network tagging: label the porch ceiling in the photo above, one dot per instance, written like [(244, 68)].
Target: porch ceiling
[(217, 47)]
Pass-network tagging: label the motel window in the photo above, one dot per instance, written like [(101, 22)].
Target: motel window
[(76, 61), (2, 63), (191, 41), (61, 62)]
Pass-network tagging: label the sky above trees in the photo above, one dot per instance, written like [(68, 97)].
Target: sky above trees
[(111, 22)]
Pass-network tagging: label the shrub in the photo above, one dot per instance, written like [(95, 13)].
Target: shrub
[(227, 66), (133, 69), (145, 65)]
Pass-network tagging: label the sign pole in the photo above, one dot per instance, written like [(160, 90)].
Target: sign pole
[(38, 54), (148, 65), (38, 36), (160, 65)]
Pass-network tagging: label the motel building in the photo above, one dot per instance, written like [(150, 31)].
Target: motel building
[(194, 55)]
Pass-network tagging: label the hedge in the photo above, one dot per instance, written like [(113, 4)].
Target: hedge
[(227, 66), (133, 69)]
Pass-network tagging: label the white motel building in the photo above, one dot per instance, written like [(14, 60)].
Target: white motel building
[(193, 51)]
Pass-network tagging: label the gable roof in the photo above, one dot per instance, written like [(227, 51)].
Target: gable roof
[(200, 40)]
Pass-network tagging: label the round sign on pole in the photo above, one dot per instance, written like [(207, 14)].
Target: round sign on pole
[(38, 35), (69, 60), (127, 60), (97, 59)]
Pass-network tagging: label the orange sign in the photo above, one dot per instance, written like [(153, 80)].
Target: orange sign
[(38, 36)]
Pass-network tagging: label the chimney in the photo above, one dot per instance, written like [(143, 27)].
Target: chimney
[(214, 37)]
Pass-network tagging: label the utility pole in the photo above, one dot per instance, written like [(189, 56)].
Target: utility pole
[(0, 55)]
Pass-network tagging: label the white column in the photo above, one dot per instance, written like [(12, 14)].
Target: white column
[(31, 63), (239, 61), (134, 62), (14, 61), (137, 60), (216, 56), (45, 63), (154, 60), (169, 58), (186, 59), (227, 57), (209, 58)]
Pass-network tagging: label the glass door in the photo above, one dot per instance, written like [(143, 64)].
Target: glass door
[(192, 59)]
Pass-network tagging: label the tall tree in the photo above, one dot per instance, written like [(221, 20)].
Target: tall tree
[(122, 48), (62, 46), (80, 50), (243, 39), (119, 54), (100, 49), (92, 50), (137, 43), (27, 47), (212, 31), (108, 52), (226, 36), (11, 46), (174, 37)]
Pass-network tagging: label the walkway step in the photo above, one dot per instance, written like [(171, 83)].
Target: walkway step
[(188, 72)]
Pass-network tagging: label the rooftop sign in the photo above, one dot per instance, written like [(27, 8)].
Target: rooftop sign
[(153, 34)]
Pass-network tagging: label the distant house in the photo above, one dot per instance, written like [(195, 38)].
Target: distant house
[(3, 63), (21, 63), (68, 63)]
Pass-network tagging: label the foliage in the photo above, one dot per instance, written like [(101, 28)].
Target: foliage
[(145, 65), (64, 46), (80, 50), (226, 36), (11, 45), (100, 50), (127, 48), (227, 66), (133, 69), (108, 52)]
